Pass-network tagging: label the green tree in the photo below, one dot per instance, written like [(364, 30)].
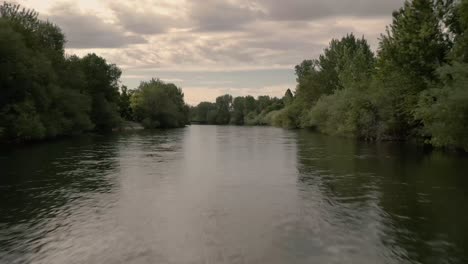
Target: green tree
[(444, 110), (263, 102), (458, 23), (238, 111), (203, 113), (250, 104), (413, 48), (223, 108), (35, 103), (102, 84), (348, 111), (159, 105), (344, 63), (288, 97), (321, 76), (124, 104)]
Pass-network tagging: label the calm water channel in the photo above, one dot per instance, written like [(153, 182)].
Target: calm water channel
[(207, 194)]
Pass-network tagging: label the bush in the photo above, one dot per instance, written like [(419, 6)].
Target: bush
[(344, 113), (444, 110)]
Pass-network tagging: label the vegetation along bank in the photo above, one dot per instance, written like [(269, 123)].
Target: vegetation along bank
[(415, 86)]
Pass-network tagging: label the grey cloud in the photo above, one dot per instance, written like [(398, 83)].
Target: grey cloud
[(268, 44), (214, 15), (294, 37), (219, 51), (228, 35), (316, 9), (89, 31), (146, 23)]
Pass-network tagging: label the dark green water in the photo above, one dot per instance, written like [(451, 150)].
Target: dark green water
[(207, 194)]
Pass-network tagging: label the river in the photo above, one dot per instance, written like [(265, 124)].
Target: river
[(214, 194)]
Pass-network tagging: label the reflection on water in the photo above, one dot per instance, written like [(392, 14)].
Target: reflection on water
[(208, 194)]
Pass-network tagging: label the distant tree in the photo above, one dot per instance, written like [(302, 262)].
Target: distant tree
[(203, 113), (263, 102), (288, 97), (250, 104), (238, 111), (159, 105), (223, 108), (124, 104)]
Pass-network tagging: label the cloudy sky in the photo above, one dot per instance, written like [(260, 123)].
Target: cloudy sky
[(212, 47)]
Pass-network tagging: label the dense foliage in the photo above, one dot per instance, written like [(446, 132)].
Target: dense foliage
[(159, 105), (238, 111), (45, 93), (414, 87)]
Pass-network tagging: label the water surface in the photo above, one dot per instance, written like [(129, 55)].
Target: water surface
[(207, 194)]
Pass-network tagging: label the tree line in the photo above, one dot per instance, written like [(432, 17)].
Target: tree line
[(241, 110), (45, 93), (415, 86)]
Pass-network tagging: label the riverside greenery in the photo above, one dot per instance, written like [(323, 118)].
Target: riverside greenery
[(45, 93), (415, 86)]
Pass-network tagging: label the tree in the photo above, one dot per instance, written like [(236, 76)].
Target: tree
[(288, 97), (263, 102), (102, 84), (35, 103), (413, 48), (321, 76), (159, 105), (345, 62), (458, 23), (238, 111), (250, 104), (124, 104), (203, 113), (348, 111), (223, 108), (444, 110)]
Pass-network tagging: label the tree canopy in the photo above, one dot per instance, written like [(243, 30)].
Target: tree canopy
[(159, 105), (45, 94), (237, 111), (414, 87)]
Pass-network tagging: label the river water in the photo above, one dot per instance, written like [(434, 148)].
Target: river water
[(208, 194)]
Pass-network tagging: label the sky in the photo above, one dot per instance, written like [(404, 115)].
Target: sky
[(212, 47)]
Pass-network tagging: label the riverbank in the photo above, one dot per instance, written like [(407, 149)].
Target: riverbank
[(130, 126)]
